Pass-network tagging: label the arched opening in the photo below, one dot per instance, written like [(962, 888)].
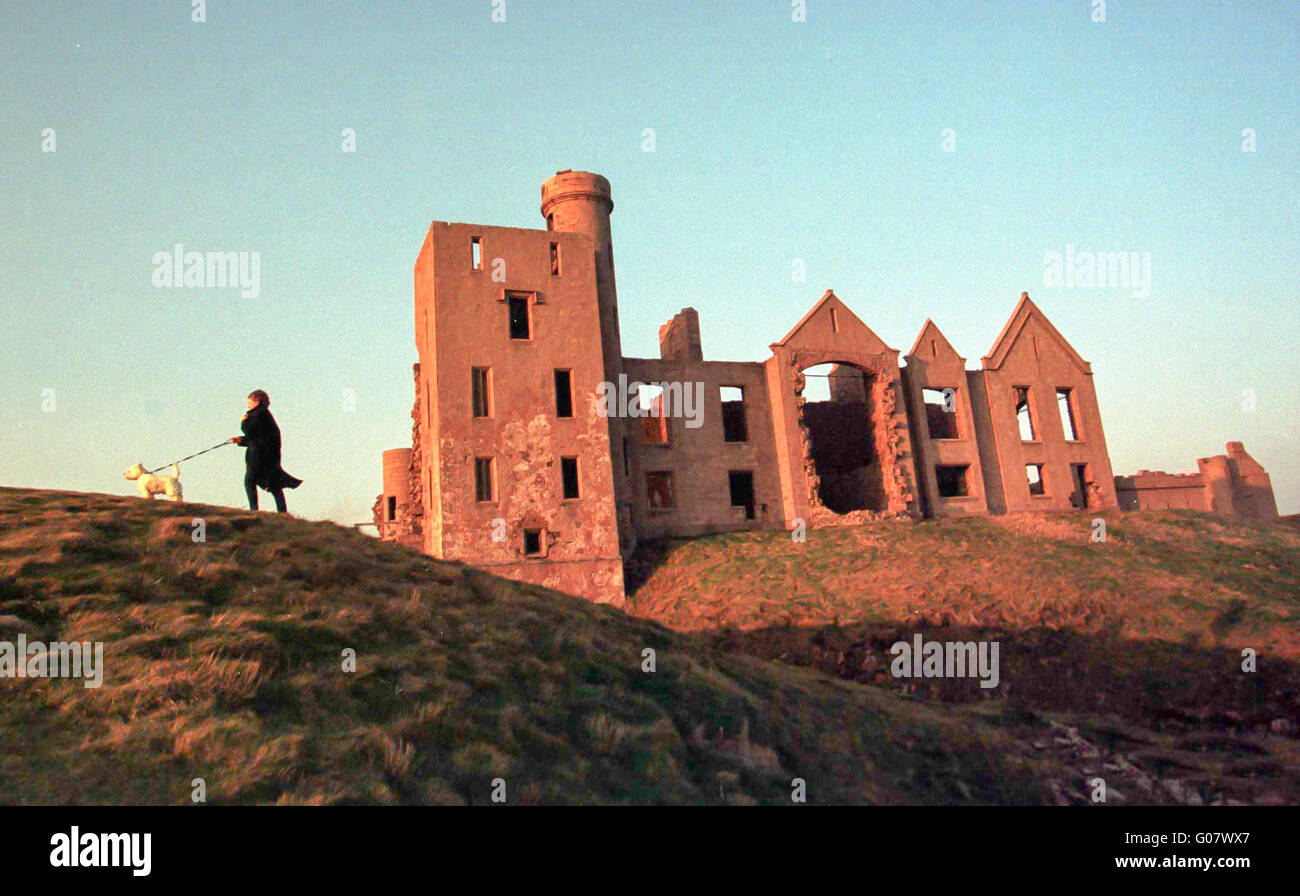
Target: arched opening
[(839, 413)]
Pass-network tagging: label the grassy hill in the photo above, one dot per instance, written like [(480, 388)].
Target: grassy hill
[(225, 662), (1131, 649)]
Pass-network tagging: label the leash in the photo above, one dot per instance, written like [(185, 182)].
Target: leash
[(195, 454)]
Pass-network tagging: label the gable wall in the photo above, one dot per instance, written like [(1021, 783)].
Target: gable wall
[(816, 341), (1038, 360), (937, 366)]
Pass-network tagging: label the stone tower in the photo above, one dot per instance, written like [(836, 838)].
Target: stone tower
[(581, 202)]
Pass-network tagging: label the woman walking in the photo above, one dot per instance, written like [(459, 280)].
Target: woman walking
[(261, 440)]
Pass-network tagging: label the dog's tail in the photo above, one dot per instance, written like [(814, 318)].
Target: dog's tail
[(176, 471)]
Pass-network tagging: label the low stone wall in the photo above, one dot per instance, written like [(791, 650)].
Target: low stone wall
[(1161, 491), (1232, 484)]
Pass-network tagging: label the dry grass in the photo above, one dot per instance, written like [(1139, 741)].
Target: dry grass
[(1162, 576), (225, 661)]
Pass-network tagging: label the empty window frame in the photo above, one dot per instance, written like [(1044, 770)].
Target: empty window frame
[(659, 490), (481, 391), (941, 413), (654, 421), (520, 315), (835, 321), (484, 481), (555, 259), (1034, 474), (476, 253), (733, 414), (741, 484), (1025, 416), (392, 507), (569, 478), (1069, 418), (533, 543), (564, 393), (951, 480)]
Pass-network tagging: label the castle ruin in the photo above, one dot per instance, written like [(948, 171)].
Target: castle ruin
[(530, 458)]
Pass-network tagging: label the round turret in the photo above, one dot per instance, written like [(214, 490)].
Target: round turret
[(576, 201)]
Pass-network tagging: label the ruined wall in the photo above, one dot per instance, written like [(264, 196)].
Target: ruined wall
[(402, 480), (414, 515), (891, 437), (397, 468), (933, 364), (831, 334), (986, 441), (1162, 491), (1252, 488), (1232, 484), (679, 339), (846, 384), (579, 538), (700, 459)]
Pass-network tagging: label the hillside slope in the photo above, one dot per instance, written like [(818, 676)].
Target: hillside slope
[(224, 661), (1176, 576), (1132, 648)]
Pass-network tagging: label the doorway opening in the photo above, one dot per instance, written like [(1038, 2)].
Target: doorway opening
[(1079, 479), (742, 490), (839, 414)]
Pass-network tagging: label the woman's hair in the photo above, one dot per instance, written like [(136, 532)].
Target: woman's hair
[(262, 398)]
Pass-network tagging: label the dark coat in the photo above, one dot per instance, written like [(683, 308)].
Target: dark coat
[(261, 441)]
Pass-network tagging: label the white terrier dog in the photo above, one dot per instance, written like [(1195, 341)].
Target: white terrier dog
[(152, 484)]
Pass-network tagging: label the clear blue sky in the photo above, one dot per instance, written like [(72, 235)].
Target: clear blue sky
[(774, 141)]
